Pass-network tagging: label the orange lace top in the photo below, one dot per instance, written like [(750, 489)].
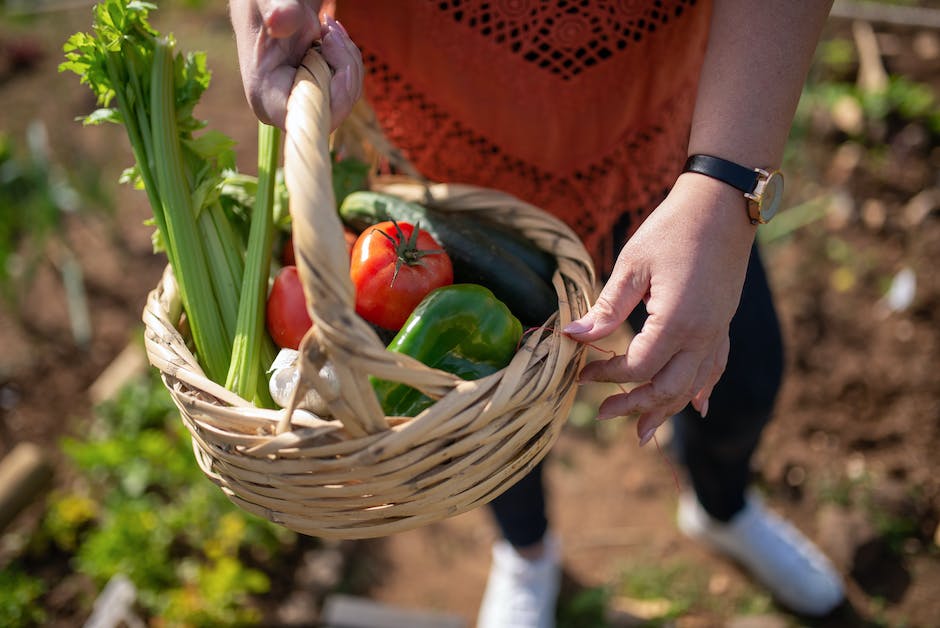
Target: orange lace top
[(581, 108)]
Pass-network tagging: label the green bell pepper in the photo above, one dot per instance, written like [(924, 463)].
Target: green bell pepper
[(462, 329)]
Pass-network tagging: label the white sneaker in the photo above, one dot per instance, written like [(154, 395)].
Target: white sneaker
[(784, 560), (521, 593)]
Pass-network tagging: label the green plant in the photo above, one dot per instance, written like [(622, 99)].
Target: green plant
[(902, 100), (858, 492), (140, 506), (142, 82), (840, 490), (682, 585), (753, 603), (18, 602), (36, 196), (67, 516), (585, 609)]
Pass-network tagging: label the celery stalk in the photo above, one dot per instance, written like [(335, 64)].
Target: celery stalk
[(245, 369), (225, 264), (191, 270), (126, 60)]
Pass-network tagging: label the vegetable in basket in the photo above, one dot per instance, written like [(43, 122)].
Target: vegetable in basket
[(462, 329), (394, 265), (518, 272), (286, 312), (127, 63)]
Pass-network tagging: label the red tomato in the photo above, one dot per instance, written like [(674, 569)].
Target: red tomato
[(287, 318), (393, 267)]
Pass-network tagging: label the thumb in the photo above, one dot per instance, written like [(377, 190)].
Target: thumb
[(283, 18), (620, 295)]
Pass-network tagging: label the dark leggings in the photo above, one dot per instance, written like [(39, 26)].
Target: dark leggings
[(716, 451)]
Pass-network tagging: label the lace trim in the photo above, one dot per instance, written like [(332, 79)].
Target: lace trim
[(564, 37), (621, 186)]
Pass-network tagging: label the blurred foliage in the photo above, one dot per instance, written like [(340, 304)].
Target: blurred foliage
[(902, 101), (349, 175), (683, 587), (237, 192), (19, 600), (585, 609), (858, 489), (834, 103), (140, 506), (23, 8), (34, 197), (654, 592)]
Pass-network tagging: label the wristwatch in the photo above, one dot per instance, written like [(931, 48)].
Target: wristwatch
[(763, 189)]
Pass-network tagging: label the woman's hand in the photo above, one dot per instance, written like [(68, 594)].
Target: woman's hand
[(689, 258), (687, 261), (272, 37)]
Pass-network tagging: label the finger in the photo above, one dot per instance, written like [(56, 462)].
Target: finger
[(606, 370), (620, 295), (283, 18), (671, 387), (345, 59), (646, 355), (657, 343), (356, 68), (648, 423), (268, 63), (717, 368), (700, 401), (268, 98), (703, 383)]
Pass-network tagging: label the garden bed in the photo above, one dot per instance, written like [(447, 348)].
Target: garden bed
[(850, 455)]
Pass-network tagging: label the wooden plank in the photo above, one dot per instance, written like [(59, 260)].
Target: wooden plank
[(25, 473), (885, 13), (346, 611), (130, 364)]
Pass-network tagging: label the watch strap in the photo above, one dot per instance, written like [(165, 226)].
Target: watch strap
[(735, 175)]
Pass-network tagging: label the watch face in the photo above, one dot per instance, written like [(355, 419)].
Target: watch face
[(772, 196)]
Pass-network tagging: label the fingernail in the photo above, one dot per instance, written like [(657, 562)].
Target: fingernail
[(327, 27), (647, 436), (578, 327), (604, 416), (704, 408), (334, 22), (331, 26)]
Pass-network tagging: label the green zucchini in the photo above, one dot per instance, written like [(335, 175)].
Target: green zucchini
[(514, 243), (515, 270)]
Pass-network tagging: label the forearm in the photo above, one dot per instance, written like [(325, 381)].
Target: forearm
[(755, 65)]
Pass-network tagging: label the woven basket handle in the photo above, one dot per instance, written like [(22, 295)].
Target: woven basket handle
[(322, 261)]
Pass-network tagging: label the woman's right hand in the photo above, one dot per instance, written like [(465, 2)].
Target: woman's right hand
[(272, 37)]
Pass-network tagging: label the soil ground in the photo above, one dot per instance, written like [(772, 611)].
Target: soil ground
[(850, 457)]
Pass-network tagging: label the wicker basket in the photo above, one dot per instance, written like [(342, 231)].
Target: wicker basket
[(358, 473)]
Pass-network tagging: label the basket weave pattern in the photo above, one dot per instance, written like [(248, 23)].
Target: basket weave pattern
[(357, 473)]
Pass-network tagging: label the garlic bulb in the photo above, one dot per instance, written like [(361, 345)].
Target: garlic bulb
[(285, 374)]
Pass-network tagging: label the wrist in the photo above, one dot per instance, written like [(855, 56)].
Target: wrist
[(762, 188), (725, 205)]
